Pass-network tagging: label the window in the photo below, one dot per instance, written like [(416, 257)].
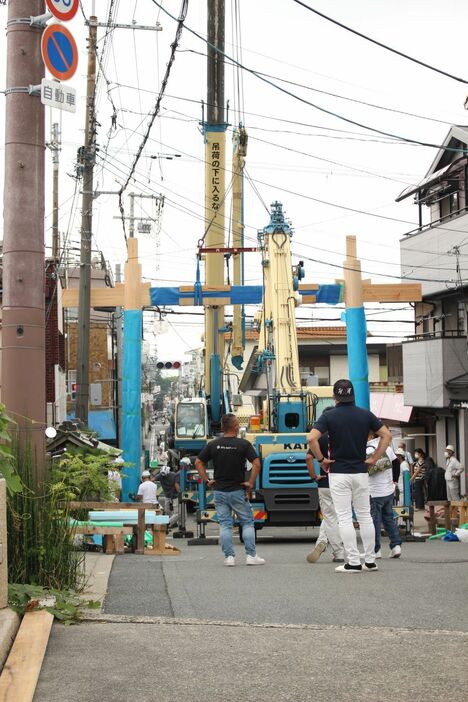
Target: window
[(190, 420)]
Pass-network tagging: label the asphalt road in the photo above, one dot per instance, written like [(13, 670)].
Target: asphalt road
[(426, 588), (186, 627)]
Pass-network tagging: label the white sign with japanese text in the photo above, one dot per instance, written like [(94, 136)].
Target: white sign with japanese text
[(58, 95)]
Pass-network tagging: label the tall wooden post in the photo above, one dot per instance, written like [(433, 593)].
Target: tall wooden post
[(356, 331), (131, 372)]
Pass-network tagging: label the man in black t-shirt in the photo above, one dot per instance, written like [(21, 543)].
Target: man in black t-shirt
[(229, 455), (348, 427)]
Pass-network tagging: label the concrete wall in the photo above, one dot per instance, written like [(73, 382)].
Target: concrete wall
[(427, 365), (429, 248), (339, 368)]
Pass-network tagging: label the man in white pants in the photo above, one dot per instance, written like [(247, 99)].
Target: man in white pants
[(329, 531), (348, 427)]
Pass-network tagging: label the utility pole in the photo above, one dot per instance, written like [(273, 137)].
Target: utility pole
[(88, 154), (54, 146), (215, 194), (23, 323)]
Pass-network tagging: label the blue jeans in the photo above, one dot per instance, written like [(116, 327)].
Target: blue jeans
[(381, 511), (226, 503)]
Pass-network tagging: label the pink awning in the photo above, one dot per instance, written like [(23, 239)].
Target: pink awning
[(390, 405)]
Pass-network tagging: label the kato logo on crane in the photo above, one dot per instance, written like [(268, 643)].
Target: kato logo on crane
[(59, 51), (63, 9)]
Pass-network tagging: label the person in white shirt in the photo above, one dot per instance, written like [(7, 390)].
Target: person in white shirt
[(382, 489), (453, 470), (408, 457), (404, 468), (115, 478), (147, 492)]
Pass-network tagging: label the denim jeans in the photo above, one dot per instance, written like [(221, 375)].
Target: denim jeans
[(226, 503), (382, 511)]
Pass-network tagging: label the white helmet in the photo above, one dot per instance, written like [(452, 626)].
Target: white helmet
[(165, 470)]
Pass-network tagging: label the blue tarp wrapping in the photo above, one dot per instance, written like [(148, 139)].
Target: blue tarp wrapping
[(131, 401), (100, 421), (329, 294), (356, 334), (127, 516), (241, 295)]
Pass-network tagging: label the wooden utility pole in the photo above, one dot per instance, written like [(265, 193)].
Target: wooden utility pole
[(88, 155), (54, 146), (23, 323)]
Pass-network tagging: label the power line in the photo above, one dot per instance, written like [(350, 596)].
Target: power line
[(307, 102), (379, 43), (334, 95), (180, 26)]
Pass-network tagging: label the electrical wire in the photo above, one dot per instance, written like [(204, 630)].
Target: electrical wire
[(307, 102), (379, 43), (327, 263), (393, 110), (178, 34)]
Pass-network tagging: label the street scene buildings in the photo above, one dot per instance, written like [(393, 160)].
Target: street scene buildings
[(233, 351)]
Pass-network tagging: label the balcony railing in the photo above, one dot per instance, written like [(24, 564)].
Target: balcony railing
[(436, 222), (424, 336)]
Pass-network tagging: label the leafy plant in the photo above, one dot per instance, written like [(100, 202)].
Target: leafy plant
[(77, 476), (40, 536), (65, 605), (7, 457)]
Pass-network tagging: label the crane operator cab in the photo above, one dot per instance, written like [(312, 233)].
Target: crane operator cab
[(191, 425)]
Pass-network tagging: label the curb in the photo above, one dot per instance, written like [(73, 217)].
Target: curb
[(9, 625)]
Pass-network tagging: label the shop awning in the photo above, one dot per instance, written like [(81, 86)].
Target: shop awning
[(390, 405)]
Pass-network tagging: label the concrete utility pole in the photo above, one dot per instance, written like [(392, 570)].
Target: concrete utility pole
[(215, 195), (23, 323), (88, 154), (54, 146)]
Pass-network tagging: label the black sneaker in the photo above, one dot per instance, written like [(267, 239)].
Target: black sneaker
[(369, 567), (346, 568)]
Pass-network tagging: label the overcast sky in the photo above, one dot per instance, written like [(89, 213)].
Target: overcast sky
[(296, 154)]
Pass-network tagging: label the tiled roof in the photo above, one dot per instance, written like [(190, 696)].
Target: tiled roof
[(306, 333)]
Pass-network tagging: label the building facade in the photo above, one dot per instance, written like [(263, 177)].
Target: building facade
[(435, 357)]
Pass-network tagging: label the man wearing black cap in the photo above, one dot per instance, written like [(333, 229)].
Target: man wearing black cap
[(348, 427)]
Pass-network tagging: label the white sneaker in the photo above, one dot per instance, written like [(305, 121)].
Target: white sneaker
[(254, 560), (230, 561), (395, 552)]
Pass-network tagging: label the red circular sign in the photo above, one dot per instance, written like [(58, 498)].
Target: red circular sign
[(63, 9), (59, 51)]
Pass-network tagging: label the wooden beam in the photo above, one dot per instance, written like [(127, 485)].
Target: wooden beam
[(390, 292), (106, 297), (308, 286), (21, 672), (104, 530)]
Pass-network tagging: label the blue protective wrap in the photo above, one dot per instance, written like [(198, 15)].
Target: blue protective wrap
[(328, 294), (238, 295), (215, 378), (356, 334), (406, 489), (131, 401)]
